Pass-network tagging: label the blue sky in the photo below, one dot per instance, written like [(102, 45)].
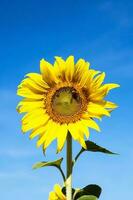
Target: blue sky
[(98, 31)]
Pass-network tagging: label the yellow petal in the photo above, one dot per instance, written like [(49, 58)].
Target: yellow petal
[(109, 104), (26, 92), (110, 86), (60, 67), (61, 136), (90, 115), (99, 80), (38, 79), (82, 142), (106, 104), (61, 63), (21, 107), (53, 196), (93, 73), (89, 83), (69, 68), (58, 192), (98, 95), (37, 113), (81, 67), (91, 123), (31, 102), (27, 105), (49, 135), (27, 101), (73, 129), (77, 133), (48, 73), (29, 83), (84, 79), (29, 108), (83, 129), (97, 109), (38, 131), (35, 123)]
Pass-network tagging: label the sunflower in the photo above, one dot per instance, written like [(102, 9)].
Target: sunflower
[(64, 97), (57, 193)]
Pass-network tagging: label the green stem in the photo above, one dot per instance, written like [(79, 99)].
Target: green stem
[(69, 167), (76, 157), (62, 173)]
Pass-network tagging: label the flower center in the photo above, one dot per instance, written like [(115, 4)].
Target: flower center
[(66, 101)]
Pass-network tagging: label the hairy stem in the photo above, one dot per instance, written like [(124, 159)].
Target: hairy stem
[(69, 168)]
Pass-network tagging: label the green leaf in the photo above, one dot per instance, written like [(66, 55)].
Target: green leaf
[(89, 190), (87, 197), (91, 146), (55, 163)]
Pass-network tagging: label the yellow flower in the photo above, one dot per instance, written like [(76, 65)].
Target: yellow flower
[(57, 194), (64, 97)]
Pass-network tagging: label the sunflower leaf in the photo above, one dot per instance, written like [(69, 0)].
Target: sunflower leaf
[(90, 192), (87, 197), (55, 163), (91, 146)]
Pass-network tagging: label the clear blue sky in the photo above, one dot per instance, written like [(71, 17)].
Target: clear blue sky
[(100, 32)]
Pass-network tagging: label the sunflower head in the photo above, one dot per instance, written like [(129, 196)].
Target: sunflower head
[(65, 96)]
